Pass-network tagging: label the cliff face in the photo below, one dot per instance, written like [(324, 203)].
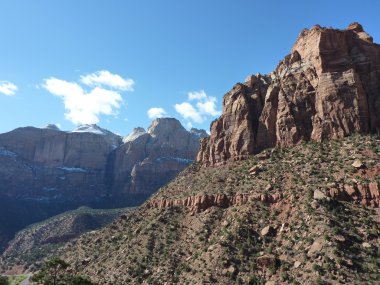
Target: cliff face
[(45, 163), (327, 88), (152, 158), (90, 163)]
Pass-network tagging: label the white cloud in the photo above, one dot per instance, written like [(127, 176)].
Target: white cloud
[(197, 95), (187, 111), (106, 78), (8, 88), (84, 107), (155, 112), (205, 106), (208, 107)]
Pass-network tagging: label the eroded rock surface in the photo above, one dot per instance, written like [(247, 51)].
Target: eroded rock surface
[(149, 161), (200, 203), (90, 162), (327, 88)]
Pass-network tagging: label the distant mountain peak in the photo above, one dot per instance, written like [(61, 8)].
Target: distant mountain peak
[(91, 128), (52, 127), (199, 132), (136, 132), (164, 125)]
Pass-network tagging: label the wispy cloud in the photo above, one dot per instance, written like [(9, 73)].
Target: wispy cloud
[(85, 106), (205, 106), (8, 88), (107, 79), (156, 112)]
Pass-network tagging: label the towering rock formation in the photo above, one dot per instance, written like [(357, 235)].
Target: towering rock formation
[(51, 164), (91, 163), (327, 88), (47, 171), (148, 160)]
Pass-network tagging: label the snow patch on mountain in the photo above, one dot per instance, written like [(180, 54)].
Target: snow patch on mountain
[(74, 169), (94, 129), (177, 159), (8, 153), (137, 132)]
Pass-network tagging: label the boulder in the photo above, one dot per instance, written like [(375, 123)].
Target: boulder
[(268, 231), (319, 195), (366, 245), (358, 164), (297, 264)]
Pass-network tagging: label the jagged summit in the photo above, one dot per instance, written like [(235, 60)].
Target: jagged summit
[(136, 132), (90, 128), (327, 88), (199, 132), (161, 152)]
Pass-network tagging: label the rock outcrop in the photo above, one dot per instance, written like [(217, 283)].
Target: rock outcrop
[(200, 203), (327, 88), (148, 160), (365, 194)]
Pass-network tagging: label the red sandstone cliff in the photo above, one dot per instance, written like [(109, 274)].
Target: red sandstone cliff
[(327, 88)]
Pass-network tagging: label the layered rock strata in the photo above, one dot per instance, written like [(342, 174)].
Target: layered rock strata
[(367, 194), (200, 203), (91, 163), (327, 88)]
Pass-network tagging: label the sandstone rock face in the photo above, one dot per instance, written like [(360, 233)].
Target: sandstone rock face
[(365, 194), (48, 163), (327, 88), (152, 158), (90, 163), (201, 203), (44, 172)]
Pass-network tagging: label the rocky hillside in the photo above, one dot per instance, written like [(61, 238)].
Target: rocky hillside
[(286, 216), (148, 160), (327, 88), (39, 240), (304, 210), (287, 190), (44, 172)]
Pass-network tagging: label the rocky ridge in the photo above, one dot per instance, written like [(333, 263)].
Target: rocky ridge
[(327, 88), (39, 240), (201, 203), (273, 217)]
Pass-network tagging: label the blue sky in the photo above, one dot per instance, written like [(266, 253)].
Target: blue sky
[(76, 61)]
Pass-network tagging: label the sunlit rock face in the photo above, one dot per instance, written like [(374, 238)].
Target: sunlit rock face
[(327, 88)]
